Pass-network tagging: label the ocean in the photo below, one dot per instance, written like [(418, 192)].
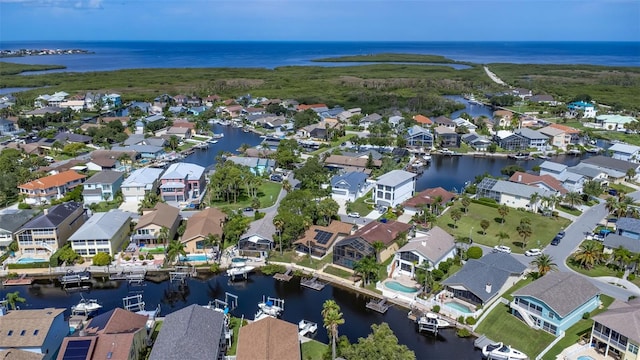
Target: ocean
[(114, 55)]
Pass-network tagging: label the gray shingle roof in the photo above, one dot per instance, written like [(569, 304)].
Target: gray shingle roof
[(513, 188), (562, 292), (192, 333), (395, 177), (183, 170), (610, 163), (531, 134), (628, 224), (588, 171), (623, 317), (105, 177), (553, 166), (614, 241), (101, 226), (11, 220), (434, 246), (354, 181), (55, 215)]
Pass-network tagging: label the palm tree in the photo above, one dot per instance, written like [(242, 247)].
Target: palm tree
[(589, 255), (544, 263), (525, 231), (484, 224), (286, 185), (175, 249), (279, 224), (573, 199), (622, 256), (466, 201), (503, 210), (611, 204), (502, 236), (332, 318), (244, 147), (211, 240), (13, 298), (456, 215), (173, 142), (378, 246), (163, 235), (436, 205), (533, 201)]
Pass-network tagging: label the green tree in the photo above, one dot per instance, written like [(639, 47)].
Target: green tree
[(174, 250), (622, 256), (163, 236), (101, 259), (382, 343), (484, 224), (503, 211), (544, 263), (286, 155), (173, 142), (474, 252), (13, 298), (369, 164), (502, 236), (631, 173), (279, 224), (466, 201), (211, 241), (525, 232), (573, 199), (378, 246), (368, 267), (592, 188), (332, 318), (589, 254), (456, 215)]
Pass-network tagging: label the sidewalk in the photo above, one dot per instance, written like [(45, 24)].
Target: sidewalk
[(620, 282)]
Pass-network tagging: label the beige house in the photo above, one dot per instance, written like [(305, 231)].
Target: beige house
[(502, 118), (616, 333), (199, 226), (147, 230)]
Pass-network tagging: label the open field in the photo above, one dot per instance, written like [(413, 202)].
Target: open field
[(7, 68), (391, 57)]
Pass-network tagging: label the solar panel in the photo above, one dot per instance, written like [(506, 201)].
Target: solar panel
[(322, 237), (77, 350)]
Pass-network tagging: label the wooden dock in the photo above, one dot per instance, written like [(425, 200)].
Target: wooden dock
[(313, 283), (482, 341), (284, 277), (22, 280), (378, 305)]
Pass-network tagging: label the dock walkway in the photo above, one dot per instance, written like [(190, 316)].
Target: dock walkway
[(378, 305), (482, 341), (22, 280), (313, 283), (284, 277)]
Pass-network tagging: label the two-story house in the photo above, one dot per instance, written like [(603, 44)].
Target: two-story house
[(139, 183), (182, 182), (103, 232), (510, 141), (576, 108), (150, 224), (209, 221), (544, 303), (433, 248), (615, 331), (628, 227), (350, 186), (50, 230), (318, 240), (10, 221), (514, 194), (51, 187), (535, 139), (102, 186), (625, 152), (258, 166), (447, 137), (394, 187), (476, 141), (557, 137), (38, 331), (418, 136), (617, 170)]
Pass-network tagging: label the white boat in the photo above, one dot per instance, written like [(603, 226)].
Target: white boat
[(212, 141), (202, 145), (241, 270), (270, 308), (500, 351), (426, 157), (86, 306), (306, 327), (433, 319), (218, 136), (417, 164)]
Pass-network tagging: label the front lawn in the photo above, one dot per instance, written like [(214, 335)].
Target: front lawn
[(569, 210), (596, 271), (313, 350), (267, 194), (544, 227), (360, 206), (621, 188), (500, 325), (302, 260)]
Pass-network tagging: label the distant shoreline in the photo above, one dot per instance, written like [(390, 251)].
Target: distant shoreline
[(41, 52)]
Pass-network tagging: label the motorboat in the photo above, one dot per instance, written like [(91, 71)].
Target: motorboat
[(218, 136), (306, 327), (270, 308), (240, 270), (202, 145), (426, 157), (212, 141), (436, 319), (75, 276), (86, 306), (500, 351)]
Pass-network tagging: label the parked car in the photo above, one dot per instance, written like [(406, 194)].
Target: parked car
[(533, 252), (353, 215), (247, 209), (613, 192), (276, 177), (502, 248), (561, 234), (556, 240)]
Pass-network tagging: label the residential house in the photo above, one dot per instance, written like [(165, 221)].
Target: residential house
[(103, 232), (571, 180), (461, 122), (447, 137), (111, 101), (182, 182), (513, 194), (557, 137), (628, 227), (616, 331), (268, 339), (510, 141), (433, 248), (102, 186), (580, 107), (258, 240), (152, 221), (625, 152), (575, 133), (555, 301), (590, 173), (522, 93), (428, 198), (502, 118), (200, 333), (102, 163), (394, 187), (614, 241), (417, 136), (50, 100), (616, 169), (44, 111), (553, 169), (10, 221), (180, 132), (124, 329), (140, 139), (315, 107), (8, 127), (543, 99), (535, 139), (145, 151), (545, 182), (258, 166), (318, 240), (370, 119), (51, 229), (350, 186), (477, 142), (233, 111), (75, 105), (17, 354), (145, 107), (359, 245), (139, 183), (422, 120), (209, 221), (51, 187), (36, 331), (481, 280), (347, 163), (396, 120), (613, 122), (443, 121)]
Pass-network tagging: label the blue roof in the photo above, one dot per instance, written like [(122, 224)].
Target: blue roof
[(579, 105), (353, 179)]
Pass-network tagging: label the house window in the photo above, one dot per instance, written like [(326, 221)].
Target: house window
[(23, 332), (633, 348)]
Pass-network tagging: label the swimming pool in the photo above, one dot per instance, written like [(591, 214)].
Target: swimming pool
[(194, 257), (28, 260), (585, 357), (458, 307), (396, 286), (238, 260)]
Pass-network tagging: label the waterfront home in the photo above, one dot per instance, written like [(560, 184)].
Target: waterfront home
[(350, 186), (423, 121), (315, 107), (69, 138), (139, 183), (461, 122), (375, 155), (111, 101), (180, 132), (17, 354), (10, 221), (8, 127), (429, 198), (152, 221), (36, 331), (191, 333), (396, 120), (535, 139), (417, 136), (258, 240), (628, 227), (50, 100), (370, 119), (268, 339), (590, 173), (394, 187), (51, 229), (116, 334), (553, 169), (625, 152), (183, 123), (502, 118), (482, 280), (543, 99), (145, 151), (359, 245), (318, 240), (182, 182), (102, 163), (209, 221), (257, 166), (143, 106), (44, 111), (124, 156), (51, 187), (557, 137), (140, 139), (476, 141), (510, 141), (431, 249), (446, 137), (513, 194), (616, 169), (555, 301), (614, 241), (233, 111), (613, 122), (522, 93), (585, 109), (570, 179), (616, 331), (546, 182), (103, 232), (347, 163), (102, 186), (443, 121)]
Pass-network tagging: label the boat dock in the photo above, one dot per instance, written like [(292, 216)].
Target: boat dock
[(135, 276), (306, 327), (482, 341), (22, 280), (313, 283), (378, 305), (182, 273), (284, 277)]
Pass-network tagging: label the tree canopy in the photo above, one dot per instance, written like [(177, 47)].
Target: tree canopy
[(382, 343)]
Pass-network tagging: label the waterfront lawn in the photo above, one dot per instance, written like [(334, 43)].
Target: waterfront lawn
[(332, 270), (293, 257), (500, 325), (577, 331), (360, 206), (234, 324), (313, 350), (544, 227), (267, 194)]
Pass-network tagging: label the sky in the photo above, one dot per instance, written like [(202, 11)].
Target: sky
[(321, 20)]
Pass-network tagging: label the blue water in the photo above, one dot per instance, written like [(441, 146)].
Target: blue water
[(27, 260), (585, 357), (458, 307), (238, 260), (396, 286), (114, 55), (194, 257)]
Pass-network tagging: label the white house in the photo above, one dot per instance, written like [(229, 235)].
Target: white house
[(103, 232), (625, 152), (588, 110), (433, 248), (139, 183), (613, 122), (102, 186), (552, 168), (350, 186), (394, 187), (513, 194)]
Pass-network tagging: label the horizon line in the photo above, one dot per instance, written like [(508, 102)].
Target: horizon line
[(333, 41)]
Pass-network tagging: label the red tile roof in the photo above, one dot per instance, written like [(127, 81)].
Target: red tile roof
[(303, 107), (384, 232), (531, 179), (565, 128), (428, 197), (421, 119), (52, 180)]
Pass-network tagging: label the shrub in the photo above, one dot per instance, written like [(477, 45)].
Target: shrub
[(437, 274), (127, 258), (474, 252), (470, 320), (258, 215), (101, 259), (272, 269), (435, 308), (150, 256), (620, 274), (214, 268), (24, 206), (141, 257), (461, 319), (586, 316), (444, 266), (631, 277), (463, 333)]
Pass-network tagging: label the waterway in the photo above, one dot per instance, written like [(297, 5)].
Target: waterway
[(233, 138), (300, 303)]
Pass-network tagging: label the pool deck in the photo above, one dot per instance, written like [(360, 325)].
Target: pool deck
[(573, 352)]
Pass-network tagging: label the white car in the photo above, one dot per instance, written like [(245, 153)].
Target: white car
[(353, 215), (533, 252), (502, 248)]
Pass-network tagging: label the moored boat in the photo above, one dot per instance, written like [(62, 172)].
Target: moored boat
[(86, 306), (500, 351)]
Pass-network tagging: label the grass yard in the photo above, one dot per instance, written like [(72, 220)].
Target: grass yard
[(579, 329), (517, 286), (313, 350), (544, 228), (235, 326), (622, 188), (332, 270), (569, 210), (267, 194), (105, 206), (500, 325), (360, 206), (598, 270), (302, 260)]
